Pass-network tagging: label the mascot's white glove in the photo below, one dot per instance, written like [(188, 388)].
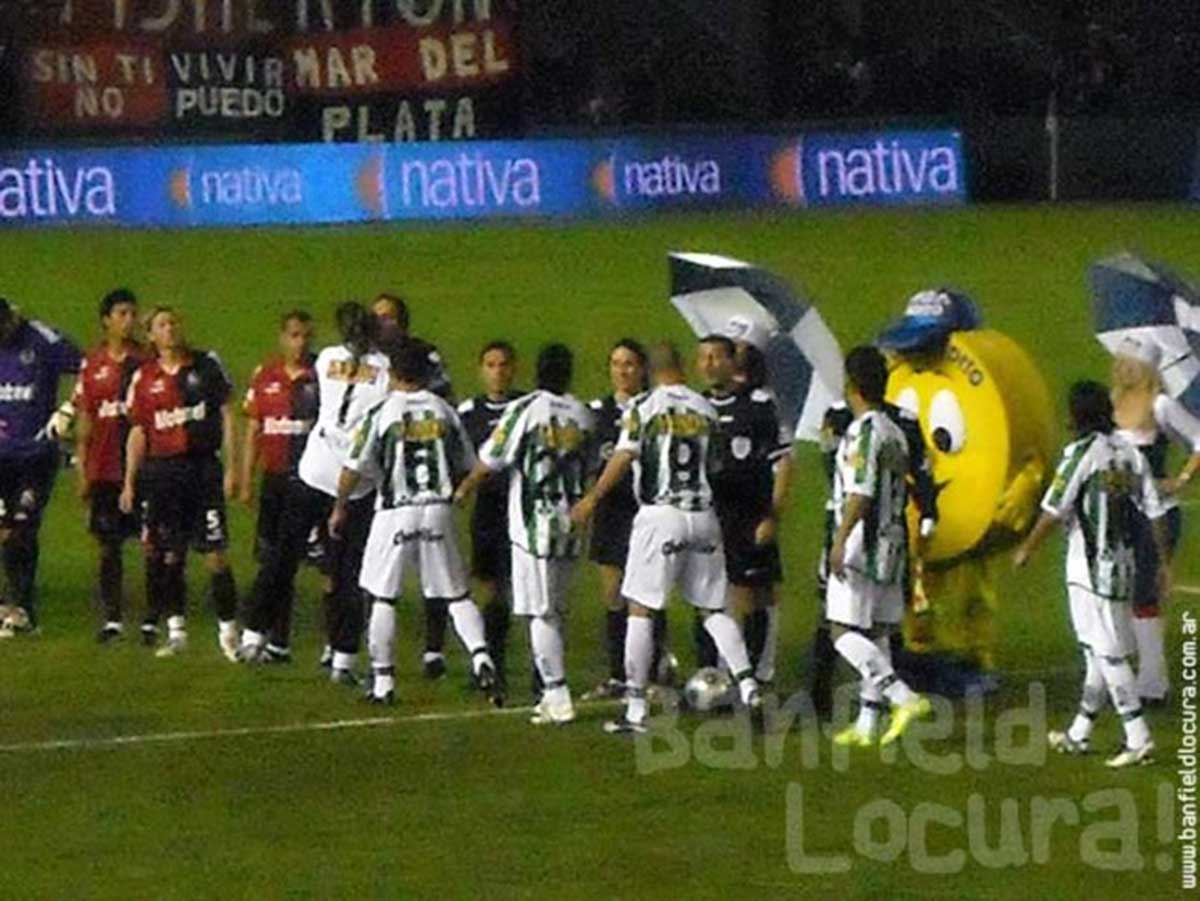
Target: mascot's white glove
[(59, 425)]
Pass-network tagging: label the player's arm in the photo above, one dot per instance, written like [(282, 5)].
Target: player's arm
[(347, 481), (135, 455), (83, 434), (856, 509), (1041, 531), (229, 449), (1185, 428), (614, 471), (249, 457)]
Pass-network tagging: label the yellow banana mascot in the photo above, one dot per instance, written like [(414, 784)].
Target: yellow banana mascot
[(986, 416)]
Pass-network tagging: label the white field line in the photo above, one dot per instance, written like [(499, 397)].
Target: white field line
[(1187, 589), (72, 744), (119, 741)]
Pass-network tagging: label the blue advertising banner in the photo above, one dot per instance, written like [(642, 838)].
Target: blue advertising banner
[(239, 185)]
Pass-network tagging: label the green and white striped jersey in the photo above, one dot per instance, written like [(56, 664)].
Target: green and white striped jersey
[(1100, 483), (669, 431), (872, 461), (546, 440), (416, 443)]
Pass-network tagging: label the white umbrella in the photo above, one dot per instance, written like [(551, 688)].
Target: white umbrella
[(720, 295)]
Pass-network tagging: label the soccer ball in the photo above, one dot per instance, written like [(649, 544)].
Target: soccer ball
[(708, 689), (13, 619)]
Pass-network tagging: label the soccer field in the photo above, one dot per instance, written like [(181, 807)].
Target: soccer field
[(133, 777)]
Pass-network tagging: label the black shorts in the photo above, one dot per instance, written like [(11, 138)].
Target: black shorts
[(1145, 551), (491, 551), (25, 487), (747, 563), (273, 506), (183, 504), (105, 519), (611, 528)]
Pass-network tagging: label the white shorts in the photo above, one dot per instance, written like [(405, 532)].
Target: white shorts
[(539, 584), (670, 547), (1104, 626), (858, 602), (419, 535)]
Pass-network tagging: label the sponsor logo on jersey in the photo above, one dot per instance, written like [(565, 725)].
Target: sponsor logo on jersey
[(110, 409), (10, 392), (281, 425), (165, 420)]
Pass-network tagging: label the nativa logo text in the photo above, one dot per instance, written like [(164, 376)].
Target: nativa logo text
[(45, 189)]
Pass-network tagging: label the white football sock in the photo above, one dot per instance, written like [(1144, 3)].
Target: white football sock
[(176, 625), (343, 661), (227, 627), (864, 655), (1152, 679), (381, 644), (1122, 688), (1092, 701), (468, 623), (545, 640), (766, 662), (639, 651), (252, 639), (730, 643)]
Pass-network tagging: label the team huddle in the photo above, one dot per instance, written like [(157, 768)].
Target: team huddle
[(363, 457)]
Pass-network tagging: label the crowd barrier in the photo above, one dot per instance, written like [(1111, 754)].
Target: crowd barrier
[(239, 185)]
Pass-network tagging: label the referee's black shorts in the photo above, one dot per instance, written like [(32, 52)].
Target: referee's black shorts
[(611, 528), (746, 562), (491, 551)]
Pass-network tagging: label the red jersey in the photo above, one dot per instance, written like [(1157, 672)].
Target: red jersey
[(286, 409), (181, 412), (100, 392)]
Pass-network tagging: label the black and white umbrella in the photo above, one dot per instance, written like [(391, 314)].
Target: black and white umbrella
[(720, 295), (1143, 309)]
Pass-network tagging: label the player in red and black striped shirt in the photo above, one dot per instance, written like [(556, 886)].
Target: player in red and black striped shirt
[(281, 407), (101, 429), (181, 422)]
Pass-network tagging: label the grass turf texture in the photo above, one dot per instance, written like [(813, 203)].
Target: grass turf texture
[(489, 805)]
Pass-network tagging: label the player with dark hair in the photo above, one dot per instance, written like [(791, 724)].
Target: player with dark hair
[(1101, 485), (666, 437), (181, 424), (392, 324), (544, 440), (101, 430), (868, 555), (33, 357), (628, 373), (491, 557), (416, 445), (281, 408), (352, 378), (753, 449)]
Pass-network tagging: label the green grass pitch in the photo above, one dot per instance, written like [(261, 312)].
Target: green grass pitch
[(484, 805)]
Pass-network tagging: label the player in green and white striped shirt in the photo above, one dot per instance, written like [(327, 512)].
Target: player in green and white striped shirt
[(544, 438), (864, 598), (676, 540), (416, 447), (1101, 484)]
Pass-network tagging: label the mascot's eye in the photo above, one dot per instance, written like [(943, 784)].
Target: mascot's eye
[(947, 427), (908, 400)]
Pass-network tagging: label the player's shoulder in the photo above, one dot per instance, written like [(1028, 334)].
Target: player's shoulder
[(43, 333)]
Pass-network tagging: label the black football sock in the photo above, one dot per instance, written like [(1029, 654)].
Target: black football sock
[(111, 577), (706, 648), (156, 591), (281, 628), (659, 619), (824, 660), (20, 567), (755, 631), (436, 619), (175, 587), (614, 637), (495, 630), (224, 594)]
